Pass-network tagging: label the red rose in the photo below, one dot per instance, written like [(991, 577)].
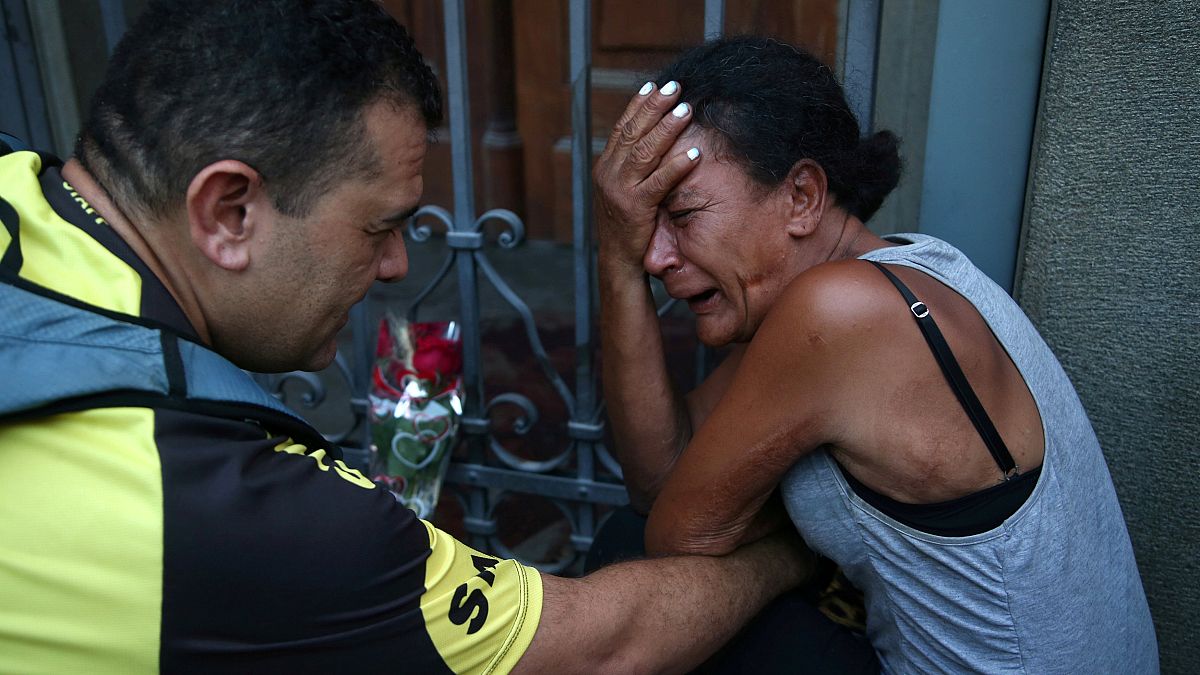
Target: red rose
[(436, 356)]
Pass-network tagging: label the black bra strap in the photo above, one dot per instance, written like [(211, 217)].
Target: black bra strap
[(956, 378)]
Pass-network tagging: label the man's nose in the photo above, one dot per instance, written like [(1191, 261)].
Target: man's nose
[(394, 265), (662, 254)]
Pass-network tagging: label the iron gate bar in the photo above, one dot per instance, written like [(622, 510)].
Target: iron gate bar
[(580, 37), (558, 487), (464, 212), (862, 46), (112, 15), (714, 19)]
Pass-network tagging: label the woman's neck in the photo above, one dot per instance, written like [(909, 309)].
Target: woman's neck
[(854, 238)]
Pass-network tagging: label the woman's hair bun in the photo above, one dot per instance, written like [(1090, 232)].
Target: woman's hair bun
[(878, 172)]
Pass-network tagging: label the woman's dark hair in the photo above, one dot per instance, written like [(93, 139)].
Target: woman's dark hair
[(278, 84), (773, 105)]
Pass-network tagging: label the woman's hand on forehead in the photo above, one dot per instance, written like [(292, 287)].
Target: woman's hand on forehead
[(636, 171)]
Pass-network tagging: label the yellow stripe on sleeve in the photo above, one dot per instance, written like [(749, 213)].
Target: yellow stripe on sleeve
[(480, 612)]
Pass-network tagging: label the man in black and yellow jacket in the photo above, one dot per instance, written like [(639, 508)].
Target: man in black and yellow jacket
[(239, 184)]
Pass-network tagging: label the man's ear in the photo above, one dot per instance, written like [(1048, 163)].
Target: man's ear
[(226, 204), (807, 192)]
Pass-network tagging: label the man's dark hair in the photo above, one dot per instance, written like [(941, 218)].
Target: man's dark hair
[(278, 84), (773, 105)]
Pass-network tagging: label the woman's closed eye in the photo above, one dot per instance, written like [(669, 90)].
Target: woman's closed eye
[(680, 217)]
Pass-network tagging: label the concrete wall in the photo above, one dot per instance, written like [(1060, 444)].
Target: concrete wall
[(1110, 271)]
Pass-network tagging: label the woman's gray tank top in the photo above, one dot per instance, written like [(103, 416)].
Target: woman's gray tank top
[(1053, 589)]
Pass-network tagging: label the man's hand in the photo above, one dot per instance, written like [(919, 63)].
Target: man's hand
[(633, 175)]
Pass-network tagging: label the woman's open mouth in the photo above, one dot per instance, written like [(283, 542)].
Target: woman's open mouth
[(702, 301)]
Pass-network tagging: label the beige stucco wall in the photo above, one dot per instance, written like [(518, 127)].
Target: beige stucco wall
[(1110, 271)]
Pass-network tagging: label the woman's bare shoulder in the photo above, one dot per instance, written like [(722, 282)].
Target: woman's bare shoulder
[(835, 298)]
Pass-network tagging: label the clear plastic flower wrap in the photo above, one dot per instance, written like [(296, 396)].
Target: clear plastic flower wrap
[(416, 401)]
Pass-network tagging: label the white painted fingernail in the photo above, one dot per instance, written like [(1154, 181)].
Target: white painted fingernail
[(680, 110), (646, 89), (670, 88), (693, 153)]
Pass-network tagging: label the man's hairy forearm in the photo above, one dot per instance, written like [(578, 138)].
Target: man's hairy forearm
[(664, 614), (648, 416)]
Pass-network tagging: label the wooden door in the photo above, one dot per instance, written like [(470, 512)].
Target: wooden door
[(518, 56)]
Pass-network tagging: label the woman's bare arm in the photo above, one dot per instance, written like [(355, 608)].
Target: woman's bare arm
[(782, 401), (649, 419)]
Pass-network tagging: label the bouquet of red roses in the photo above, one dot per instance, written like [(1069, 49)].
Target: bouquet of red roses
[(415, 404)]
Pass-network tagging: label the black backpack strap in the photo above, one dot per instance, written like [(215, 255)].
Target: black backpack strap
[(956, 378)]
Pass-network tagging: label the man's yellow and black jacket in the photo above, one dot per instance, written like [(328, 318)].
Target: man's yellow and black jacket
[(159, 512)]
